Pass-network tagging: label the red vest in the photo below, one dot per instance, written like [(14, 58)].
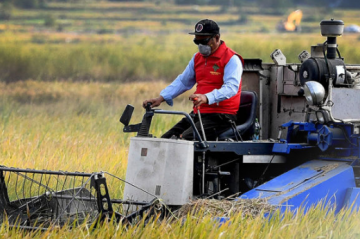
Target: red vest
[(209, 73)]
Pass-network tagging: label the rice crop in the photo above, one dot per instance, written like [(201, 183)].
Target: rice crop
[(63, 89), (73, 126), (137, 58)]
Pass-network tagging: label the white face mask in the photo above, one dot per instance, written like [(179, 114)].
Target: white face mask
[(204, 50)]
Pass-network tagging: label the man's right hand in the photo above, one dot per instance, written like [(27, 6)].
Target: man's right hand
[(154, 102)]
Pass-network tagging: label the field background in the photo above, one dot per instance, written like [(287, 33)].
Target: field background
[(67, 71)]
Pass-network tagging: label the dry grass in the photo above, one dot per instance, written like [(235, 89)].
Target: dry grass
[(73, 126), (225, 208)]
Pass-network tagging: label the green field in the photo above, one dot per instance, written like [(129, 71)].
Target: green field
[(123, 42), (63, 88)]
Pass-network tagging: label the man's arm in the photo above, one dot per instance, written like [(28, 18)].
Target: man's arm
[(182, 83), (232, 78)]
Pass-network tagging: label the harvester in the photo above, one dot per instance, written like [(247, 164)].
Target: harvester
[(296, 141), (295, 144)]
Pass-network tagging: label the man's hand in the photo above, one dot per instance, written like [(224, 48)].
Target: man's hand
[(198, 99), (154, 102)]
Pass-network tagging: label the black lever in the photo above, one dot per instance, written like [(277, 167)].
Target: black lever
[(148, 106), (146, 122)]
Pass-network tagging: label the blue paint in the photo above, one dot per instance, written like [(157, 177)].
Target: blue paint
[(352, 198), (308, 184), (221, 220), (288, 181), (285, 147)]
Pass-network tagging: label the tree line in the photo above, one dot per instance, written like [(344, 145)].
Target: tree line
[(259, 3), (275, 3)]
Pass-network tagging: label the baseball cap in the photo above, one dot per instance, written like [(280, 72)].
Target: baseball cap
[(206, 27)]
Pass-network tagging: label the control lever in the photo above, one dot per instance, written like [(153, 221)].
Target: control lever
[(203, 158), (201, 124), (148, 106), (146, 122)]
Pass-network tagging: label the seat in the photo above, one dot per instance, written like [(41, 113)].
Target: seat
[(246, 116)]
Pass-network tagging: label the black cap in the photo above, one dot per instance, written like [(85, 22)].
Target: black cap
[(206, 27)]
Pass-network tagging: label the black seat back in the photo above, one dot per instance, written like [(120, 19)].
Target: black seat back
[(247, 107)]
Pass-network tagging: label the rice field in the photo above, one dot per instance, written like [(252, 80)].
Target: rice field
[(126, 42), (73, 126), (62, 94)]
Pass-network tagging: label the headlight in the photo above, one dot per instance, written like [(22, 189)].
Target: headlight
[(314, 92)]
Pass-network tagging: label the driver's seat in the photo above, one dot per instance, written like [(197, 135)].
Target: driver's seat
[(246, 116)]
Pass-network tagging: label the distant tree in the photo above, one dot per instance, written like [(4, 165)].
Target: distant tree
[(346, 3), (29, 3), (227, 3), (275, 4), (239, 2), (318, 3), (192, 2), (6, 10), (124, 0), (50, 20)]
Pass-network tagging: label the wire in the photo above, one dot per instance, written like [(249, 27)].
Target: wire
[(346, 136), (338, 52), (326, 61), (218, 166), (131, 184), (262, 176)]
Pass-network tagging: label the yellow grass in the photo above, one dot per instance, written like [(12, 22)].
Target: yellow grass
[(74, 127)]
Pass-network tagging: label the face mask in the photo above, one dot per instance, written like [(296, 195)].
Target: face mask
[(204, 50)]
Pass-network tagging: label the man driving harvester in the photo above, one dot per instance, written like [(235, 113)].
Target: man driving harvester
[(217, 71)]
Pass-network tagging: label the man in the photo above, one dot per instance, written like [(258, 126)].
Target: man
[(217, 71)]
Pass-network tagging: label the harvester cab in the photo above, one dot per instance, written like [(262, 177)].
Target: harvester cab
[(307, 149)]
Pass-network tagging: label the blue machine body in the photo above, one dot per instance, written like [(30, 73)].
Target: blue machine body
[(330, 180)]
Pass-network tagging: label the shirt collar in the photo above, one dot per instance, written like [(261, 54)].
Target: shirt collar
[(220, 51)]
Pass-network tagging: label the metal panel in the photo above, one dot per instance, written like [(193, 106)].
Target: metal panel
[(162, 167), (291, 81), (352, 198), (252, 65), (255, 194), (346, 103), (329, 188), (264, 159), (239, 148), (313, 182), (284, 102), (287, 180), (286, 108), (264, 103)]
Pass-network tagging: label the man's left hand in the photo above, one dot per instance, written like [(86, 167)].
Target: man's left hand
[(198, 99)]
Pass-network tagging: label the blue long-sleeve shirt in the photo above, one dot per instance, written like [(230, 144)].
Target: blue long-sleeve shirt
[(185, 81)]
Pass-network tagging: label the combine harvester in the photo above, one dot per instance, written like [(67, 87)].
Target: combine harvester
[(303, 150), (309, 146)]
